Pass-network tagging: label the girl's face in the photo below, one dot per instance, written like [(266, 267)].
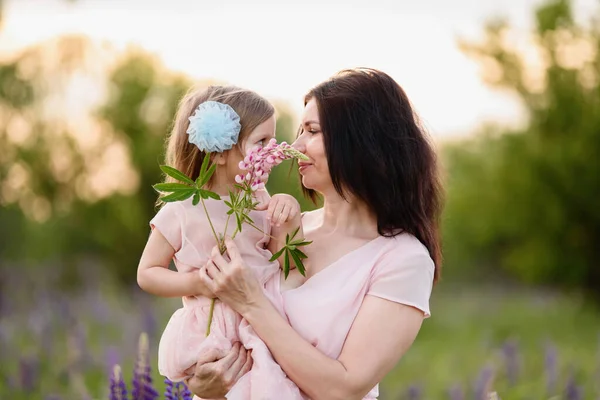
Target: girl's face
[(315, 172), (260, 136)]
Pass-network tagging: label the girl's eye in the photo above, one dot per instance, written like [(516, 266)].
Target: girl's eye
[(261, 142)]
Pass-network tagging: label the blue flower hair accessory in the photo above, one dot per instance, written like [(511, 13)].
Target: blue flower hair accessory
[(214, 127)]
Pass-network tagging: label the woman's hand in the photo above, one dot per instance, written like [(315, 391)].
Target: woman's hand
[(232, 281), (217, 371)]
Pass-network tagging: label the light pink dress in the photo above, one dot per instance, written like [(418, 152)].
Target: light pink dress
[(323, 309), (186, 228)]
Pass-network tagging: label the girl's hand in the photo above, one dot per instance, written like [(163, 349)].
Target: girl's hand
[(232, 281), (282, 209)]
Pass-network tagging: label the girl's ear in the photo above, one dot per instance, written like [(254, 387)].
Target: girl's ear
[(221, 158)]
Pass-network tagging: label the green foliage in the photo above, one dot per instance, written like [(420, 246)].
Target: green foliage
[(525, 202), (291, 250)]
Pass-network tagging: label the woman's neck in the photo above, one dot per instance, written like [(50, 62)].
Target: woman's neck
[(350, 217)]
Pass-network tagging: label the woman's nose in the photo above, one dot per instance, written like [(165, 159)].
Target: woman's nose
[(299, 144)]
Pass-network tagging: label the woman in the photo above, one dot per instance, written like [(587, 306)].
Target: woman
[(375, 253)]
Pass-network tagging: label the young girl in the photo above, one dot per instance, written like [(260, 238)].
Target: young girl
[(227, 122)]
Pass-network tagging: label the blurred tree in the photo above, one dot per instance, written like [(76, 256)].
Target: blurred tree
[(526, 201), (82, 129)]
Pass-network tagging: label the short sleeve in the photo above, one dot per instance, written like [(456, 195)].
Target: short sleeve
[(168, 221), (404, 279)]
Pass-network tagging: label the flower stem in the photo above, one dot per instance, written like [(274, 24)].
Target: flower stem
[(209, 221), (212, 301), (210, 316), (260, 230), (226, 224), (222, 249)]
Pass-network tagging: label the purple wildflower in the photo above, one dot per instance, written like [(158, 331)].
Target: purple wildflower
[(572, 391), (37, 323), (456, 393), (185, 393), (550, 364), (510, 350), (112, 357), (97, 303), (414, 392), (118, 390), (483, 383), (169, 389), (149, 321), (28, 373), (142, 377), (177, 391)]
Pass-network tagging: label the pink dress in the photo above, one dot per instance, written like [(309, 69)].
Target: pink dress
[(186, 228), (323, 309)]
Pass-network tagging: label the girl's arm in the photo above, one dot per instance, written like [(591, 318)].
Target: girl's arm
[(155, 277)]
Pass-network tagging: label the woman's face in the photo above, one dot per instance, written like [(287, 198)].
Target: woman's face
[(315, 172)]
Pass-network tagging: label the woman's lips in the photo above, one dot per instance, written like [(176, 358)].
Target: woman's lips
[(302, 166)]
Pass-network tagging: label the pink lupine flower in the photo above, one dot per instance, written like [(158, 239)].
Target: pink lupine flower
[(260, 160)]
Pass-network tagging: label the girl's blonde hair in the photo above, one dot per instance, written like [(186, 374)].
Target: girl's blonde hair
[(252, 108)]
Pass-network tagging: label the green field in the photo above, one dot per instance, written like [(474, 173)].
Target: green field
[(63, 345)]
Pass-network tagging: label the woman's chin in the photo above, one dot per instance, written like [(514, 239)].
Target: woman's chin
[(307, 183)]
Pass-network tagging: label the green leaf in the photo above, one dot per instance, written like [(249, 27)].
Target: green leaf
[(295, 232), (247, 218), (206, 177), (174, 173), (300, 243), (196, 199), (277, 255), (298, 262), (228, 204), (170, 187), (177, 196), (301, 254), (286, 265), (229, 212), (205, 162), (212, 195)]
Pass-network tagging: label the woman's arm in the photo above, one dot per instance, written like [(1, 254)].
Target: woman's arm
[(155, 277), (381, 333)]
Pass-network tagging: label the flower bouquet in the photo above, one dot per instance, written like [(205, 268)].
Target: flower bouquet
[(258, 164)]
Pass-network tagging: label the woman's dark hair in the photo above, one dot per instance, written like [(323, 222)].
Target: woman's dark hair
[(378, 152)]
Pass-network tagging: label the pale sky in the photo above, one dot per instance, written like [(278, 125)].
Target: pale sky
[(281, 49)]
